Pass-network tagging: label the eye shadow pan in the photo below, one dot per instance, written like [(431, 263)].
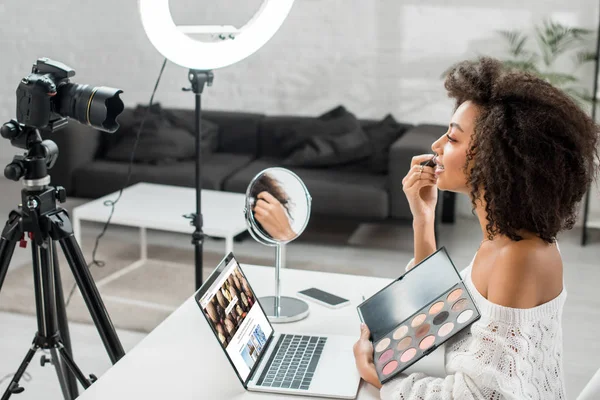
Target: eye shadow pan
[(446, 329), (400, 332), (404, 343), (390, 367), (386, 356), (455, 295), (418, 320), (422, 331), (459, 305), (408, 355), (436, 308), (427, 342), (382, 345), (464, 316), (441, 317)]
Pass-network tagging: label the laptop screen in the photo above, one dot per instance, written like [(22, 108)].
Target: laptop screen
[(235, 316)]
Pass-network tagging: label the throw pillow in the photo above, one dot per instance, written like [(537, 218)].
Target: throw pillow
[(295, 135), (186, 119), (161, 141), (344, 143), (381, 136), (330, 151), (335, 112)]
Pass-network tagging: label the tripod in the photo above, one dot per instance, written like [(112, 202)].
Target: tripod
[(46, 224)]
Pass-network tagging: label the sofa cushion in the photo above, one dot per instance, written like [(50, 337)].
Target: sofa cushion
[(335, 192), (99, 178)]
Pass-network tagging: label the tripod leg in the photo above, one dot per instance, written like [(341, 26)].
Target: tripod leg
[(61, 373), (45, 297), (63, 324), (7, 249), (48, 325), (13, 386), (68, 361), (92, 298), (8, 241)]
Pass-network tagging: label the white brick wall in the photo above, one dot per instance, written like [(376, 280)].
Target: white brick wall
[(375, 57)]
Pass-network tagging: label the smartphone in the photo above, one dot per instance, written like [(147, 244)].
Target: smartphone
[(321, 297)]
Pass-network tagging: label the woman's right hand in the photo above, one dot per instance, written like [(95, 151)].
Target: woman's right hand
[(421, 189), (272, 216)]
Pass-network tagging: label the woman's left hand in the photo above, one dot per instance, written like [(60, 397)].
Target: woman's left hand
[(363, 356)]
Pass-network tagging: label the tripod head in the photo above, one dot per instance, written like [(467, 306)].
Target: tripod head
[(38, 198), (39, 157)]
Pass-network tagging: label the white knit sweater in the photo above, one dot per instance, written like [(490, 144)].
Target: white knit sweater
[(508, 353)]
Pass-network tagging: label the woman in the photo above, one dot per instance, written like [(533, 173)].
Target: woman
[(523, 152)]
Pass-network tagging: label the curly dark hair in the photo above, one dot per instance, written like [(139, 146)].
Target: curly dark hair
[(532, 152), (266, 183)]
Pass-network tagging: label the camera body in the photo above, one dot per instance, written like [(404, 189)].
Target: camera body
[(46, 98), (37, 100)]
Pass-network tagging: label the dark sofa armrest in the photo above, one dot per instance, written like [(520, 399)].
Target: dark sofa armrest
[(415, 141), (77, 145)]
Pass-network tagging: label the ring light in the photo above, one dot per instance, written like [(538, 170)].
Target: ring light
[(228, 45), (235, 44)]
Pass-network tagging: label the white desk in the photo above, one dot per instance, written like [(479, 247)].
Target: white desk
[(161, 207), (182, 359)]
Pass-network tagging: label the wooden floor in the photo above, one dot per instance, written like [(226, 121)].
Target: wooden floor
[(380, 250)]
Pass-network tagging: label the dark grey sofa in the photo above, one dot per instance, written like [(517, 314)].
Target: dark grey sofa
[(246, 145)]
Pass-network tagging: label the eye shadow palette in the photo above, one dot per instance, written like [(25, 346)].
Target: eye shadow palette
[(416, 313)]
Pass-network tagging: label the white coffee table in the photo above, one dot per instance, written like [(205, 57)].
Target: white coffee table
[(161, 207)]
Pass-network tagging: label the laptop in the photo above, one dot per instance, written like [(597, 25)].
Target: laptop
[(267, 361)]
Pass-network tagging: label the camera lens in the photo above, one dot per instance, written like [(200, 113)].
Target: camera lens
[(97, 106)]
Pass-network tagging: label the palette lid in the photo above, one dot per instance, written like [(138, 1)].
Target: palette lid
[(397, 302)]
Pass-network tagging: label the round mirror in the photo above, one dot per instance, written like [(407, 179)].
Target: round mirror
[(277, 206), (277, 211)]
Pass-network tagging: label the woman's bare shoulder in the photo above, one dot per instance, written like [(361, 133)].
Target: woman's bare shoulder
[(525, 275)]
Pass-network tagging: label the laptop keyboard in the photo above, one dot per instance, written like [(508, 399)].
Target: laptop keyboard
[(293, 363)]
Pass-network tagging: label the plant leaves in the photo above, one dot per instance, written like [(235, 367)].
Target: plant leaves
[(516, 42), (584, 56), (555, 39)]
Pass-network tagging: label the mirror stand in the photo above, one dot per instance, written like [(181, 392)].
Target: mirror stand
[(281, 309)]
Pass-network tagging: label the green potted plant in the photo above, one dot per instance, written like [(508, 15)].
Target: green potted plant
[(555, 41), (556, 44)]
